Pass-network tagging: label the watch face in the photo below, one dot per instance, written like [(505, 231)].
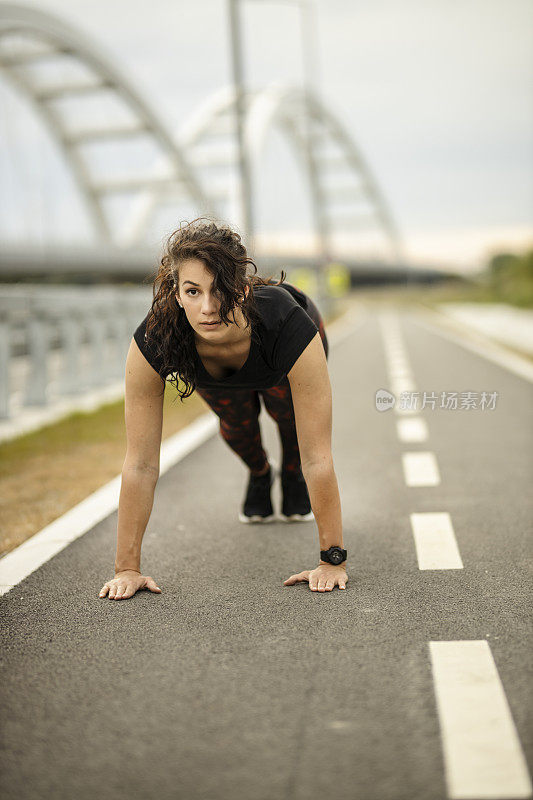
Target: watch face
[(336, 556)]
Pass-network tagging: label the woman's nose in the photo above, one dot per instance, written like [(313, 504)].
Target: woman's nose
[(209, 305)]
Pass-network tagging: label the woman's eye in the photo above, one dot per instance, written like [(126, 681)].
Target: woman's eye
[(187, 291)]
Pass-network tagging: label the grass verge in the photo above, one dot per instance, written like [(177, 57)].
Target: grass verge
[(45, 473)]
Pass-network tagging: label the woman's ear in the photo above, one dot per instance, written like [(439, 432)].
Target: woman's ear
[(242, 297)]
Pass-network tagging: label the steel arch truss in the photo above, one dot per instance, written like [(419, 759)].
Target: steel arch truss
[(199, 167), (345, 195), (33, 44)]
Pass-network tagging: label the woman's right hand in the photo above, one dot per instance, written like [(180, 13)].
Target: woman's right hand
[(126, 583)]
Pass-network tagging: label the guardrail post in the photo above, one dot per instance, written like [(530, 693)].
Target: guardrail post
[(120, 344), (38, 343), (70, 332), (96, 325)]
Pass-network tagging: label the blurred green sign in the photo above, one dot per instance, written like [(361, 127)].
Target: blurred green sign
[(337, 279), (304, 279)]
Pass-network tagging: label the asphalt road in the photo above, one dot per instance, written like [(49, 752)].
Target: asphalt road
[(231, 685)]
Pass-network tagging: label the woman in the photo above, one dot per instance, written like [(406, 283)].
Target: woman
[(232, 337)]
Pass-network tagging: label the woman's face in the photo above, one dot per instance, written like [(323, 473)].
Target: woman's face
[(201, 305)]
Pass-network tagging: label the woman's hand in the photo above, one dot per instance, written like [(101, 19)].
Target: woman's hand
[(321, 579), (126, 583)]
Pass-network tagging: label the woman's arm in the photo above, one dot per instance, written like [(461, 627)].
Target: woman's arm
[(311, 397), (144, 422), (135, 506)]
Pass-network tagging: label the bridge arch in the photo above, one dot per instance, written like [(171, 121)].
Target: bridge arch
[(208, 140), (182, 168), (32, 41)]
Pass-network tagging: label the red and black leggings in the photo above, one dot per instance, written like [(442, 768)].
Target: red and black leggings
[(239, 411)]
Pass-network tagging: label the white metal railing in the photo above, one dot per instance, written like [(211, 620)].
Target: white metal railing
[(58, 341)]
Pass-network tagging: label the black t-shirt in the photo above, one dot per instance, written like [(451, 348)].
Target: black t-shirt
[(284, 331)]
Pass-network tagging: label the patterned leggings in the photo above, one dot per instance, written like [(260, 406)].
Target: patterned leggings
[(239, 411)]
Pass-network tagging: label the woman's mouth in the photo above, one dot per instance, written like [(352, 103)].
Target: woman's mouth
[(210, 324)]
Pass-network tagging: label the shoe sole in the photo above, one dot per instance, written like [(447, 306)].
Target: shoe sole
[(297, 517), (256, 518)]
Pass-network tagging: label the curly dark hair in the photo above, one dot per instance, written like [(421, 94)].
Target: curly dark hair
[(225, 257)]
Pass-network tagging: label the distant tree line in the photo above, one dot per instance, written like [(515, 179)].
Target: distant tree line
[(510, 277)]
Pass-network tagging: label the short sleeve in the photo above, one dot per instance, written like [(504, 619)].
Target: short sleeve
[(148, 349), (297, 330)]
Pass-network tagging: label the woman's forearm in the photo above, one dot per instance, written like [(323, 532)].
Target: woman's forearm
[(326, 503), (135, 506)]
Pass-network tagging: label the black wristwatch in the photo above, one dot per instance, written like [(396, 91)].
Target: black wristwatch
[(335, 555)]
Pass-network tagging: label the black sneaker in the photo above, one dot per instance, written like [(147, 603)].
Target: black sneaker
[(257, 505), (296, 505)]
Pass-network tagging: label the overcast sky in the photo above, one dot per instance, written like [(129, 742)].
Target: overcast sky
[(437, 95)]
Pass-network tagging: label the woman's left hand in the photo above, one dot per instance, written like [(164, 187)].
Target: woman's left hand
[(321, 579)]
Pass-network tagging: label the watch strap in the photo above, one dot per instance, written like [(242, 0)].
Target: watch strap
[(324, 554)]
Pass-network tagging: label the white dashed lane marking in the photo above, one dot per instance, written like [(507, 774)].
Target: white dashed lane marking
[(483, 758), (420, 469), (436, 547), (412, 430)]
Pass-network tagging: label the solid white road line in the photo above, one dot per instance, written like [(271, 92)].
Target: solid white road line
[(420, 469), (483, 758), (45, 544), (412, 430), (436, 547), (474, 341)]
